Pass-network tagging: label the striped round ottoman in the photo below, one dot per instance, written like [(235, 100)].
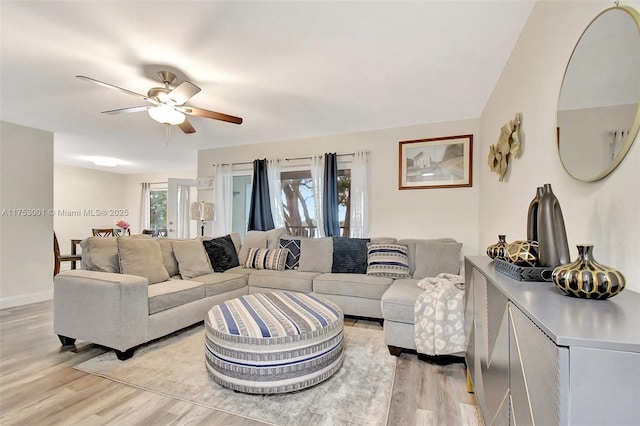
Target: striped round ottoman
[(273, 342)]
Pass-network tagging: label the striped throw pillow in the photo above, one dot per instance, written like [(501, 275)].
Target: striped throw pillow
[(387, 260), (261, 258)]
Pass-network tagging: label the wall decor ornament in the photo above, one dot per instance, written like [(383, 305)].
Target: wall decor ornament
[(508, 146), (523, 253), (588, 279), (499, 249), (552, 236)]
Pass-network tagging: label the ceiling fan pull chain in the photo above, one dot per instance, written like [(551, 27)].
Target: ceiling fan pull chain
[(168, 127)]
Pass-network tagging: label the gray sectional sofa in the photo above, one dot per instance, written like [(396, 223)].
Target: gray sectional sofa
[(135, 289)]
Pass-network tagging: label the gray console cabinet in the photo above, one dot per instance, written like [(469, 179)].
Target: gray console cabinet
[(538, 357)]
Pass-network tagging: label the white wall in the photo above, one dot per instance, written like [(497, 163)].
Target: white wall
[(26, 243), (604, 213), (418, 213), (86, 199)]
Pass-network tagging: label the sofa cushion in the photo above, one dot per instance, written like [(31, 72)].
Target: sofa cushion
[(282, 280), (358, 285), (192, 259), (142, 257), (259, 258), (222, 253), (349, 255), (168, 257), (259, 239), (384, 240), (399, 300), (239, 270), (316, 254), (387, 260), (217, 283), (172, 293), (436, 257), (411, 249), (293, 257)]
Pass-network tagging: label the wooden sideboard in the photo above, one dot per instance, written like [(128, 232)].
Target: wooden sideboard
[(537, 356)]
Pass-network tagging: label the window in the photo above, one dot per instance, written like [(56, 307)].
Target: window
[(158, 208), (299, 206), (241, 204)]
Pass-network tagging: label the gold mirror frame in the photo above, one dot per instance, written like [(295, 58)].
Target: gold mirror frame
[(633, 129)]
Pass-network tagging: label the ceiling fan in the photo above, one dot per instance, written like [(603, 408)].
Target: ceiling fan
[(167, 105)]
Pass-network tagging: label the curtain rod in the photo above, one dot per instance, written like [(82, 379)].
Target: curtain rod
[(153, 183), (286, 159), (309, 158)]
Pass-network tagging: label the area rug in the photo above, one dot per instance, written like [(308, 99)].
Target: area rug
[(358, 394)]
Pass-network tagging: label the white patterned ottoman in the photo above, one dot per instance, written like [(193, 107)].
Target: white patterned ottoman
[(273, 342)]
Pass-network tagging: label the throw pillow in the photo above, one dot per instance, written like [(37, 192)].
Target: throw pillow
[(273, 237), (387, 260), (168, 258), (192, 259), (101, 254), (316, 254), (142, 257), (253, 239), (293, 258), (349, 255), (260, 258), (222, 253), (259, 239), (436, 257), (235, 237)]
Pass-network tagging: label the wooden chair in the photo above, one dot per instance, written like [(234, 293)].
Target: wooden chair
[(57, 257), (103, 232), (107, 232), (149, 232)]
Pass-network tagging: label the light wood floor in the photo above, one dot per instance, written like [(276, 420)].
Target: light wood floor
[(38, 385)]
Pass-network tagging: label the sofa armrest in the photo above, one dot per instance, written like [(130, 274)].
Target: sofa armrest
[(100, 307)]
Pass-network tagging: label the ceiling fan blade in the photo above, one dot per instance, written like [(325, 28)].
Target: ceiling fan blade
[(200, 112), (183, 92), (126, 110), (111, 86), (186, 127)]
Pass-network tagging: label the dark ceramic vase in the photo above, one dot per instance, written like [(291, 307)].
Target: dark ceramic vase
[(588, 279), (552, 236), (499, 249), (532, 217)]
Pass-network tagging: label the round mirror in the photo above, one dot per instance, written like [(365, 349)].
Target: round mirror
[(598, 110)]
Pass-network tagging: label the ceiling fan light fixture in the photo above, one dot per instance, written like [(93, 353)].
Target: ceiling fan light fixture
[(166, 114)]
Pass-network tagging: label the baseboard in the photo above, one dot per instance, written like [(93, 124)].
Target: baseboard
[(25, 299)]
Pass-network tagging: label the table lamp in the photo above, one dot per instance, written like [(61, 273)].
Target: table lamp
[(203, 212)]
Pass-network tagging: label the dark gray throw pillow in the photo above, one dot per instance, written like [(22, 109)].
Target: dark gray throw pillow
[(222, 253), (349, 255)]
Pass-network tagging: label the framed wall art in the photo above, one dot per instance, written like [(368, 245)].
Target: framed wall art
[(205, 182), (436, 163)]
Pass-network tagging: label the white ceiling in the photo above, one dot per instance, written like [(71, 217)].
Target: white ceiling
[(290, 69)]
